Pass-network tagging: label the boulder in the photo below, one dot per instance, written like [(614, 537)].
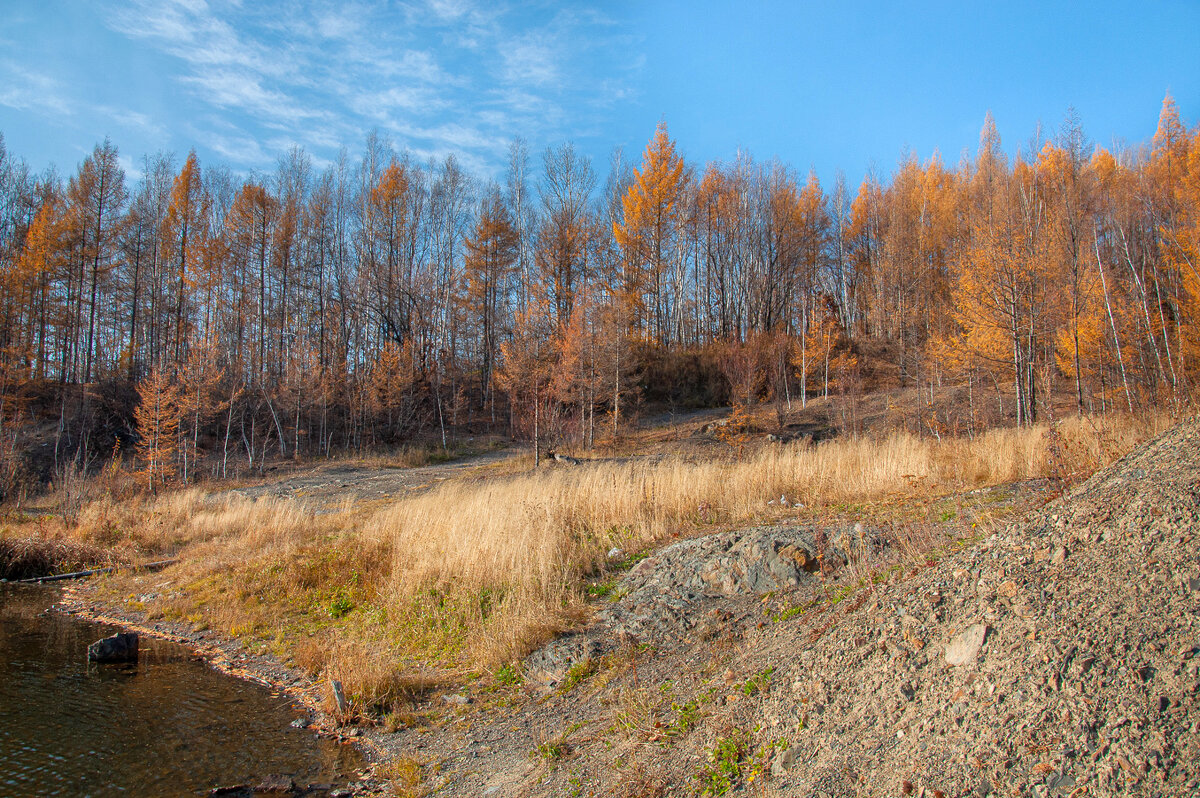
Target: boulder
[(121, 647)]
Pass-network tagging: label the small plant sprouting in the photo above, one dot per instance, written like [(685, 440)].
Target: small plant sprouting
[(686, 716), (551, 749), (725, 765), (510, 675), (339, 604), (757, 683), (577, 673), (607, 588), (730, 762)]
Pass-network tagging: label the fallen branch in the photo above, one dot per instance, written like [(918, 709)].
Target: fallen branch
[(150, 566)]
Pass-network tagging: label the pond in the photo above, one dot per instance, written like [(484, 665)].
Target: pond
[(167, 725)]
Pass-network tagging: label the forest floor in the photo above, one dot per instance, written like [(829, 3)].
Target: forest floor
[(806, 651)]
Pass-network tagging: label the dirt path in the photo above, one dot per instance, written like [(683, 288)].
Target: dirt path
[(334, 483)]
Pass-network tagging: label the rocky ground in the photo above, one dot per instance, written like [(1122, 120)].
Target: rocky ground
[(1057, 655)]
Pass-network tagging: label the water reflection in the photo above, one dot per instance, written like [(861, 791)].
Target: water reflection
[(167, 725)]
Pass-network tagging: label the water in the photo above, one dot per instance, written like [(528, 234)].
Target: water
[(167, 725)]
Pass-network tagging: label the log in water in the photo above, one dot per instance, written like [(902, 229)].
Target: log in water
[(167, 725)]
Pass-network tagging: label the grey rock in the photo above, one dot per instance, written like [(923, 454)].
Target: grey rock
[(784, 761), (550, 664)]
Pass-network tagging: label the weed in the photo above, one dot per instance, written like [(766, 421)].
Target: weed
[(757, 683), (630, 560), (405, 775), (725, 764), (836, 595), (551, 749), (578, 673), (510, 675), (607, 588), (686, 716), (339, 604), (791, 612), (636, 714)]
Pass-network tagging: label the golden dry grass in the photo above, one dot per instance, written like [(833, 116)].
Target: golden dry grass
[(475, 573)]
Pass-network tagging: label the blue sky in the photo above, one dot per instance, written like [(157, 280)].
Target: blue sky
[(849, 85)]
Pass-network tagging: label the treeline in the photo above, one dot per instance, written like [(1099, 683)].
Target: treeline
[(306, 312)]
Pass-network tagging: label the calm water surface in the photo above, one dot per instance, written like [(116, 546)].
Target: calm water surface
[(168, 725)]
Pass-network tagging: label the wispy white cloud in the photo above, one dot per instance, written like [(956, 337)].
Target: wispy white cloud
[(531, 60), (240, 149), (132, 170), (244, 91), (26, 90), (437, 75), (132, 120)]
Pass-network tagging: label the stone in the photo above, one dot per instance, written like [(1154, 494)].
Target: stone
[(275, 784), (784, 762), (551, 663), (121, 647), (965, 646), (1061, 784)]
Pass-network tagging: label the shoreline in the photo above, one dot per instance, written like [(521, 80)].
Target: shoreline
[(228, 656)]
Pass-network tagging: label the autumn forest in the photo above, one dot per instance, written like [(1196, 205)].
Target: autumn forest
[(201, 324)]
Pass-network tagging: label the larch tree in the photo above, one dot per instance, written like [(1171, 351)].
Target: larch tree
[(157, 419), (647, 235), (562, 251), (491, 252), (185, 233), (97, 197)]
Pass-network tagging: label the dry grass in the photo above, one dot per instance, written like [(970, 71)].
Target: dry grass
[(475, 573), (26, 557)]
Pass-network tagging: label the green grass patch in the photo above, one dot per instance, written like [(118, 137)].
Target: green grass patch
[(508, 674), (577, 674), (757, 683)]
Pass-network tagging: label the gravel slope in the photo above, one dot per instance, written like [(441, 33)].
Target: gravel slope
[(1059, 656)]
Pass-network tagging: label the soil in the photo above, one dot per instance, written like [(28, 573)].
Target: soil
[(1056, 655), (336, 483)]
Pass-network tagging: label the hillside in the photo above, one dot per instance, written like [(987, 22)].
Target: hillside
[(1056, 656)]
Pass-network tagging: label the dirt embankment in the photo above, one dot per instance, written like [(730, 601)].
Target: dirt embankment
[(1059, 656)]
